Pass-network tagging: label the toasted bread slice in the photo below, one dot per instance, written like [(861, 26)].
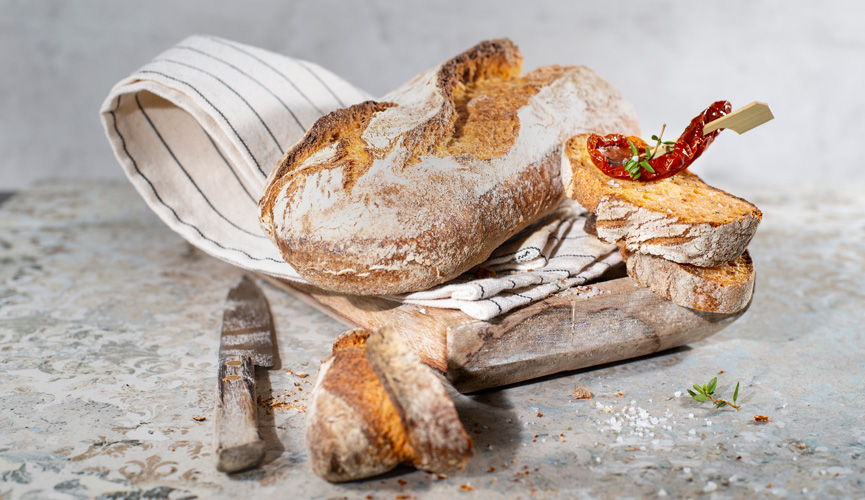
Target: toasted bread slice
[(680, 218), (721, 289)]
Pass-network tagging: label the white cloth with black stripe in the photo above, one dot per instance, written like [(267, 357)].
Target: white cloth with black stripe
[(552, 255), (198, 129)]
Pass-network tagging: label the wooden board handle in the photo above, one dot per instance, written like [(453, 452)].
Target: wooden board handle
[(236, 442), (743, 119)]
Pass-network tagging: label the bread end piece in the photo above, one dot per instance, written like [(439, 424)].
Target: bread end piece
[(375, 406), (681, 218), (726, 288), (431, 422)]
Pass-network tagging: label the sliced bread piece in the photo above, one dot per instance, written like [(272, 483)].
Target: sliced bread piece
[(726, 288), (681, 218)]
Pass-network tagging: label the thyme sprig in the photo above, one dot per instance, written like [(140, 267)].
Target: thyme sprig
[(706, 393), (640, 161), (658, 143)]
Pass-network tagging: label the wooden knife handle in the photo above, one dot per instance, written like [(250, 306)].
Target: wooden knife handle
[(236, 442)]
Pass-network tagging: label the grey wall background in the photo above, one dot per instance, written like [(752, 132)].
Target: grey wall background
[(58, 59)]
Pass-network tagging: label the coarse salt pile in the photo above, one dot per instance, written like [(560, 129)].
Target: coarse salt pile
[(635, 421), (635, 426)]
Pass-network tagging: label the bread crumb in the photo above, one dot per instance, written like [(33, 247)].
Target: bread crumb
[(466, 487), (484, 273), (199, 418), (582, 292), (281, 402), (442, 476), (761, 418), (580, 393)]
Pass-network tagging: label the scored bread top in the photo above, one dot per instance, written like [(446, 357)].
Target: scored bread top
[(399, 195), (680, 218), (431, 117)]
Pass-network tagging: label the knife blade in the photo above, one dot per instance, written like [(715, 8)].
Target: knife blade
[(246, 341)]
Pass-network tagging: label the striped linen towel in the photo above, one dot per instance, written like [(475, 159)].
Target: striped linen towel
[(551, 256), (198, 129)]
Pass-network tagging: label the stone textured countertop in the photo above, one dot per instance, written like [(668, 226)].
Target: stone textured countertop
[(109, 334)]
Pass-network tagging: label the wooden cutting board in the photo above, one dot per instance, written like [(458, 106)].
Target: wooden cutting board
[(566, 331)]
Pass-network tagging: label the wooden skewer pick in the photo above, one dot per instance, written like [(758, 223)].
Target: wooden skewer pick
[(662, 149), (743, 119)]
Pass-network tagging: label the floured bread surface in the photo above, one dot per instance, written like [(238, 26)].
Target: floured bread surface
[(431, 422), (400, 195), (375, 406), (353, 429), (726, 288), (679, 218)]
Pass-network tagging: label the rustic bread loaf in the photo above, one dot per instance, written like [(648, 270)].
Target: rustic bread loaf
[(726, 288), (680, 218), (375, 406), (400, 195)]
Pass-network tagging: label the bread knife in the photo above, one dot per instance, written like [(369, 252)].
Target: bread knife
[(246, 342)]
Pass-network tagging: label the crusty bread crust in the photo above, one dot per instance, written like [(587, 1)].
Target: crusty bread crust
[(432, 426), (726, 288), (375, 406), (681, 218), (400, 195), (352, 427)]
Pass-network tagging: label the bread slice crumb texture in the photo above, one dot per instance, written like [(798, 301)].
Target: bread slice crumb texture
[(679, 218), (726, 288)]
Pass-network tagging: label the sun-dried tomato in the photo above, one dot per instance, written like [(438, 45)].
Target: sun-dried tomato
[(610, 152)]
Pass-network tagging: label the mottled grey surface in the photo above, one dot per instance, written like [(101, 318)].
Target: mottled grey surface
[(670, 58), (109, 334), (5, 195)]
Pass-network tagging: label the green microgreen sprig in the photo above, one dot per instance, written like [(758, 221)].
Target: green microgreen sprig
[(706, 393), (639, 162)]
